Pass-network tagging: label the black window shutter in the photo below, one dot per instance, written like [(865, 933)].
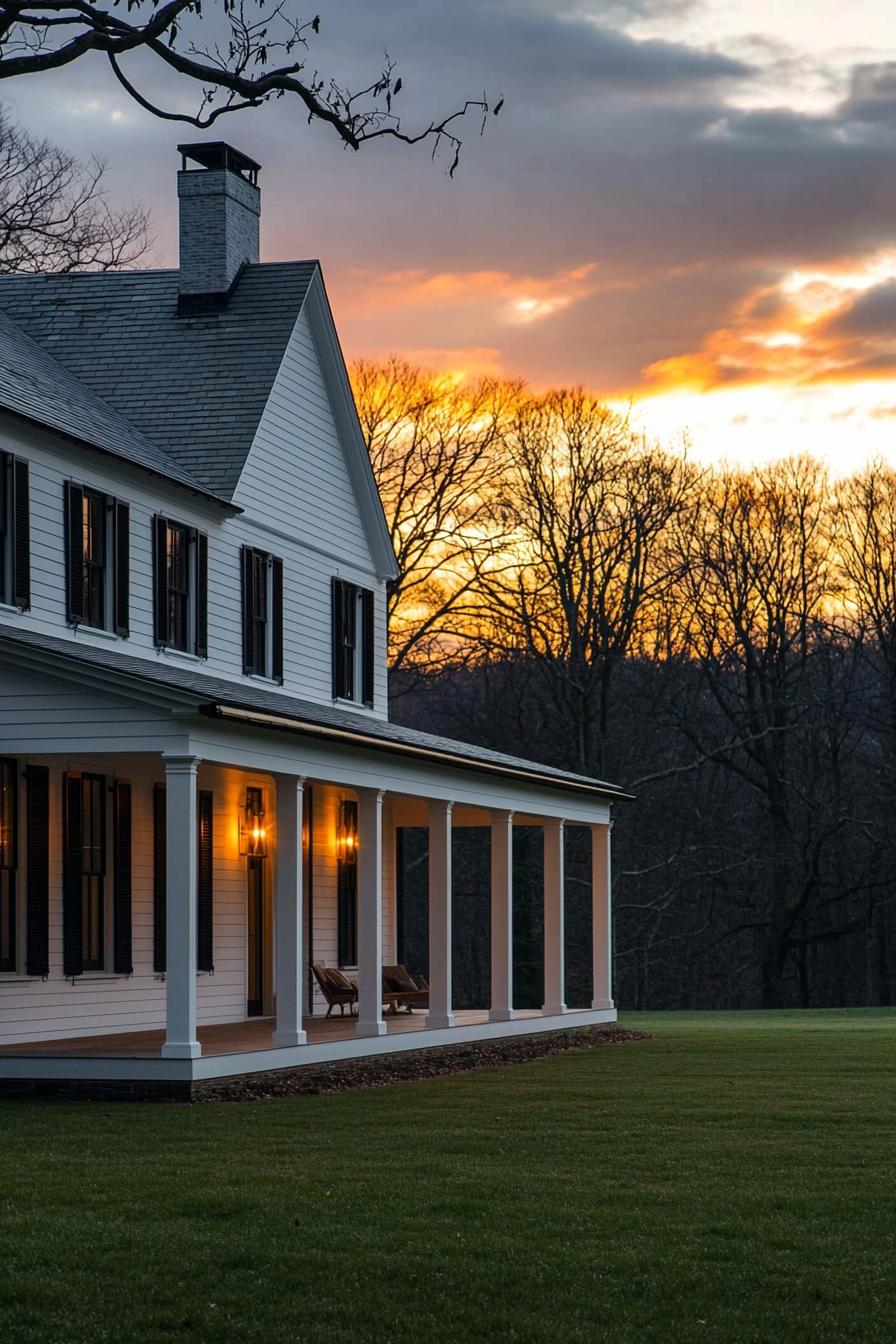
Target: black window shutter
[(347, 914), (72, 900), (37, 850), (201, 595), (159, 880), (74, 552), (122, 569), (22, 537), (121, 881), (338, 618), (205, 960), (248, 611), (367, 645), (160, 578), (277, 619)]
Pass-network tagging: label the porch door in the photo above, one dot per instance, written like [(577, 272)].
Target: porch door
[(256, 983)]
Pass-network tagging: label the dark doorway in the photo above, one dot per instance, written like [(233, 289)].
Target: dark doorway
[(255, 941)]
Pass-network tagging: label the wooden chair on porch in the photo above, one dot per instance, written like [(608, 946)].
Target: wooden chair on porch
[(338, 989), (401, 989)]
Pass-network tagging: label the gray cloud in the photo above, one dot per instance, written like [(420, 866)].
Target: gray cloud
[(871, 314), (622, 153)]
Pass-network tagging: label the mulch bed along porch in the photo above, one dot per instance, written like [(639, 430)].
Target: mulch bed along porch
[(409, 1066), (335, 1076)]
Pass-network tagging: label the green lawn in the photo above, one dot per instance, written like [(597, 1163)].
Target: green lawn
[(729, 1181)]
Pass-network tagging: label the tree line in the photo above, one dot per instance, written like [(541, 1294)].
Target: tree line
[(721, 641)]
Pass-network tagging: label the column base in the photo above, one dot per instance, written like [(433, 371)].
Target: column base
[(439, 1021), (371, 1028), (602, 1005), (501, 1015), (181, 1050), (289, 1038), (553, 1010)]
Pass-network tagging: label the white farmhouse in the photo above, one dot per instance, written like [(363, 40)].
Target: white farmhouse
[(200, 788)]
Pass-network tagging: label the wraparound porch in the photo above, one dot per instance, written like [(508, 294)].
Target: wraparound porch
[(239, 1048)]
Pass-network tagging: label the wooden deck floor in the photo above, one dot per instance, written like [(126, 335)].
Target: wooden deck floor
[(226, 1039)]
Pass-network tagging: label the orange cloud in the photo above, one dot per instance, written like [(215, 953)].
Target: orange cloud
[(833, 324), (504, 296)]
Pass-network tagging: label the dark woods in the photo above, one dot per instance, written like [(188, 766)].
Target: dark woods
[(721, 642)]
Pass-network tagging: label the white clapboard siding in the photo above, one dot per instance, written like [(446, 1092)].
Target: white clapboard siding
[(34, 1009), (312, 554), (325, 889), (296, 475)]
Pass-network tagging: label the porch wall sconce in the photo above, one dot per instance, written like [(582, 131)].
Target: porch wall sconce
[(253, 829), (347, 832)]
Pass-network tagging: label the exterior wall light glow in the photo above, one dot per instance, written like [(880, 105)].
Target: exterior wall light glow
[(347, 832), (253, 828)]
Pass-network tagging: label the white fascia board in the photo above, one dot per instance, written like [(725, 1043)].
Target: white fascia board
[(335, 374)]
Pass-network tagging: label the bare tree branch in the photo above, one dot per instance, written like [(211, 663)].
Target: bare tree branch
[(254, 52), (53, 211)]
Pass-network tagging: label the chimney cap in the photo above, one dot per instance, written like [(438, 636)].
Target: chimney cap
[(217, 154)]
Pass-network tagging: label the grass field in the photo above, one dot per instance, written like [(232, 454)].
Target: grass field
[(730, 1181)]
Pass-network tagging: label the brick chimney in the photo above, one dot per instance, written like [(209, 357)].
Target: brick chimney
[(220, 204)]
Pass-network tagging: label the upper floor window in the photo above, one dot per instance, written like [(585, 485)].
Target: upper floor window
[(262, 614), (353, 642), (98, 559), (180, 572), (15, 529)]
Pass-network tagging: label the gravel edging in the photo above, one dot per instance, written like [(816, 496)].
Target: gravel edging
[(410, 1066)]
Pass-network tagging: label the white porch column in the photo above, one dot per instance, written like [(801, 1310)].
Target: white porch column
[(554, 959), (370, 913), (289, 962), (180, 898), (601, 920), (440, 1014), (502, 917)]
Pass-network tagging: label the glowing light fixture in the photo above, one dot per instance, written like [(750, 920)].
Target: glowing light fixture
[(347, 832), (253, 829)]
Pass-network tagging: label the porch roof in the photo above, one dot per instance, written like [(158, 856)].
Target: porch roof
[(257, 706)]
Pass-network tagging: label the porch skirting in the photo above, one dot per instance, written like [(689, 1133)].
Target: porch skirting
[(20, 1067)]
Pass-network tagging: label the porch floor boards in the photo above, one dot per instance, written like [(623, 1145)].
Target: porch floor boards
[(229, 1037)]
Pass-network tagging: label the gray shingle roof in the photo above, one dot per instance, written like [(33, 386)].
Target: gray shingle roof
[(35, 385), (194, 387), (216, 692)]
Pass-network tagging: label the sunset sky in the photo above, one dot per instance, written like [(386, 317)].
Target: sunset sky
[(687, 203)]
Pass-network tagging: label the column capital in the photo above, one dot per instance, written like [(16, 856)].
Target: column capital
[(286, 777), (441, 805), (502, 813), (370, 791), (180, 765), (553, 823)]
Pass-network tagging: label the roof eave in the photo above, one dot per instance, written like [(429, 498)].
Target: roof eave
[(285, 723), (157, 474), (317, 305)]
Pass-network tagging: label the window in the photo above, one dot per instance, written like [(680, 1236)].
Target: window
[(180, 568), (9, 847), (95, 567), (93, 871), (97, 559), (15, 527), (96, 916), (177, 579), (262, 614), (353, 638)]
